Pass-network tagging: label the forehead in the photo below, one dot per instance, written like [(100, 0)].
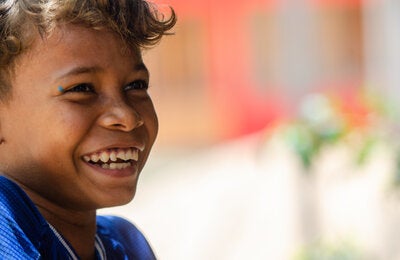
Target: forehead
[(73, 46), (74, 42)]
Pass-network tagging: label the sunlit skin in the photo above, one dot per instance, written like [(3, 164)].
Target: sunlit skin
[(104, 104)]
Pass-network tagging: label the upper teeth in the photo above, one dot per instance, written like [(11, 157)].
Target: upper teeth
[(113, 155)]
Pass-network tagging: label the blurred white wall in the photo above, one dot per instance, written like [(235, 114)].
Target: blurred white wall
[(382, 46)]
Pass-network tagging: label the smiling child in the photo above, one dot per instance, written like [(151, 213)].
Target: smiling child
[(76, 125)]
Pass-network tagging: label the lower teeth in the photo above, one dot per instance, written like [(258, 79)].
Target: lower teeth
[(115, 166)]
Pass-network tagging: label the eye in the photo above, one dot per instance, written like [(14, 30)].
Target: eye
[(84, 87), (137, 85)]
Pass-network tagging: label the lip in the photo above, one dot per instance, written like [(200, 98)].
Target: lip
[(117, 173), (122, 145)]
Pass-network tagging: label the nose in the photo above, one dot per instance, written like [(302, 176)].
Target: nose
[(120, 116)]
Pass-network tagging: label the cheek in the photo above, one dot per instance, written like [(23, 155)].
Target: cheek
[(151, 122), (59, 136), (72, 120)]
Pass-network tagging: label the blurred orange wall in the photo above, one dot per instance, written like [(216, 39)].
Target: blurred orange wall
[(216, 78)]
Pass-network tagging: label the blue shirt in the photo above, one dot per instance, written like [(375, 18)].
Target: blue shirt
[(25, 234)]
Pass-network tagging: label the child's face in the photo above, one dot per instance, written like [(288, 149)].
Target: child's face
[(75, 96)]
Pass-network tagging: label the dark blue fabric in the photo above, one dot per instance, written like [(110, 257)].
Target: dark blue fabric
[(123, 239), (25, 234)]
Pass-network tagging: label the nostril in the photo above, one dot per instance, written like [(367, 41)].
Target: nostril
[(139, 123), (120, 116)]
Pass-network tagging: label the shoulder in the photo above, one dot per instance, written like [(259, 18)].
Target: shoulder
[(24, 233), (118, 231), (115, 222), (20, 222), (16, 206)]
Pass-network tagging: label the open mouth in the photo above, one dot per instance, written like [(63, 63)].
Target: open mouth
[(113, 159)]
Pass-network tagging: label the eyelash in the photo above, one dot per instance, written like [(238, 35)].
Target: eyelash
[(137, 85), (86, 87)]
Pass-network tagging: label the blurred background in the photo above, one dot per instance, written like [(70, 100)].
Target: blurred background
[(278, 133)]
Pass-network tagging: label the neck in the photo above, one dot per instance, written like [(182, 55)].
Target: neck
[(77, 227), (78, 230)]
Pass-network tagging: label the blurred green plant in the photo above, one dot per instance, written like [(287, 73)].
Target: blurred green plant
[(396, 176), (330, 251), (326, 119)]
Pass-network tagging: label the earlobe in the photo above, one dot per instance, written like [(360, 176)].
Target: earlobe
[(2, 141)]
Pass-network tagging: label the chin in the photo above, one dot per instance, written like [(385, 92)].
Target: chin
[(115, 201)]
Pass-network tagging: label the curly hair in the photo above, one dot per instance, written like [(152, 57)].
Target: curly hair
[(137, 22)]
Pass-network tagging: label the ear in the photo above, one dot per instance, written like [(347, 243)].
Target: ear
[(2, 140)]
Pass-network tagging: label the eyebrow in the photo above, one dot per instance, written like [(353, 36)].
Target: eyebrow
[(78, 70), (86, 70), (141, 66)]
